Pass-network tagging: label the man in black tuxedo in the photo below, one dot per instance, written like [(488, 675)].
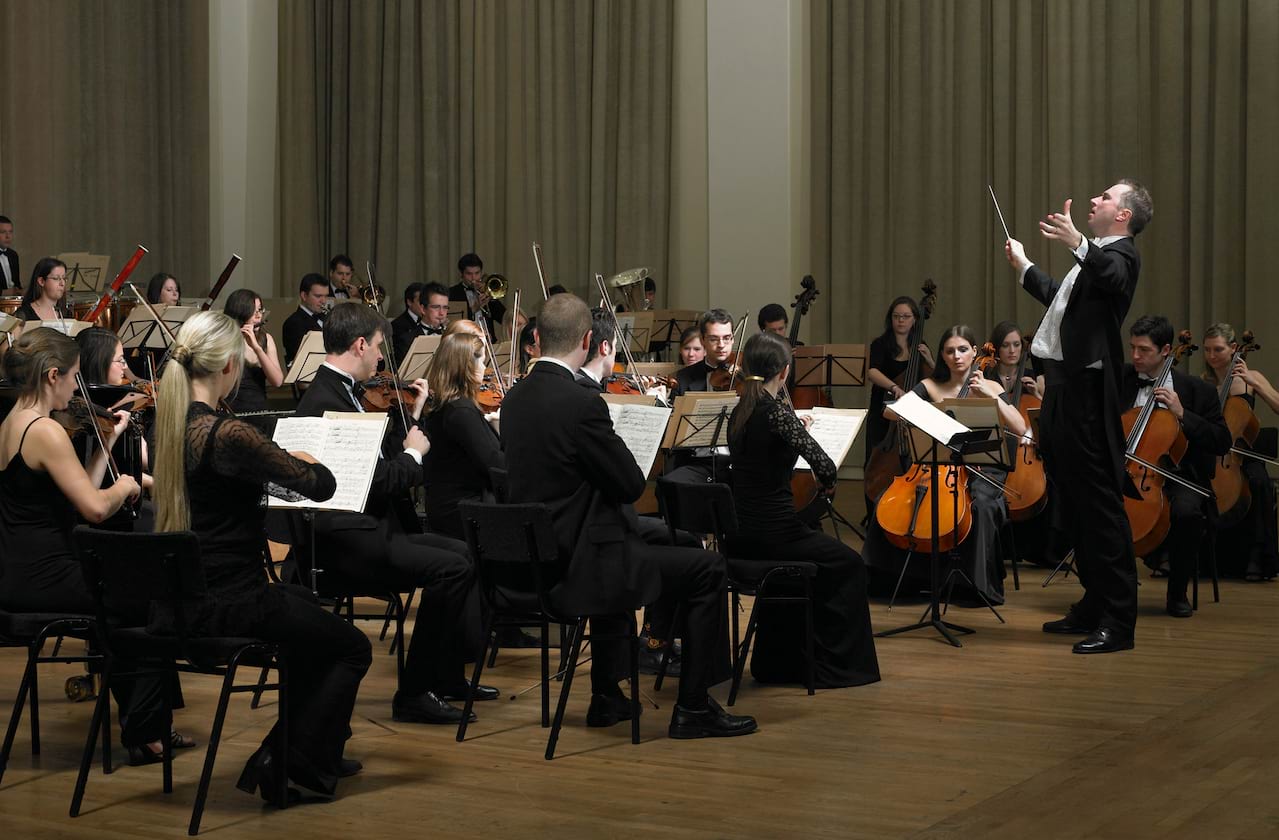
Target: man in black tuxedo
[(379, 547), (1193, 402), (471, 288), (313, 297), (1080, 345), (407, 325), (10, 270), (706, 463), (561, 450)]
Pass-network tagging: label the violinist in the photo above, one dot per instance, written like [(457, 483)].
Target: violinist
[(982, 561), (164, 289), (530, 346), (773, 318), (45, 296), (102, 363), (1194, 403), (261, 361), (313, 302), (464, 442), (889, 354), (1252, 542), (1080, 346), (715, 328), (383, 545), (406, 327), (691, 350), (212, 471), (766, 439), (43, 488)]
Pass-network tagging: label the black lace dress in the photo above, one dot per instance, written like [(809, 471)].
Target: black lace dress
[(229, 466), (768, 529)]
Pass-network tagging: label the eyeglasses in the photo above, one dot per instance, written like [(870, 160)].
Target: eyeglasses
[(719, 339), (903, 316), (119, 360)]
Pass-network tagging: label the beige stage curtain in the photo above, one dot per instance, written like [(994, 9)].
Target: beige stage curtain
[(919, 104), (104, 132), (412, 133)]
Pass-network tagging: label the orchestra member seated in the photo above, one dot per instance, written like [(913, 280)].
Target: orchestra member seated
[(261, 367), (773, 318), (381, 547), (1250, 549), (562, 451), (1193, 403), (407, 325), (10, 267), (45, 297), (530, 349), (43, 490), (102, 364), (888, 357), (470, 288), (342, 285), (691, 350), (464, 443), (704, 464), (164, 289), (766, 439), (313, 301)]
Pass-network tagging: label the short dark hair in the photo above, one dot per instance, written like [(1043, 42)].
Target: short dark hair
[(240, 305), (348, 321), (601, 331), (429, 289), (412, 291), (5, 220), (713, 316), (561, 323), (772, 312), (1138, 200), (557, 289), (650, 285), (1156, 327), (310, 281), (156, 285), (469, 261), (341, 259)]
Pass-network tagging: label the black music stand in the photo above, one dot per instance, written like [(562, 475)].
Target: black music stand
[(695, 429), (973, 442), (668, 326), (829, 365)]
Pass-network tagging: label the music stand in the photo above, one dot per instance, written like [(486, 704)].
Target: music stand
[(637, 331), (307, 361), (67, 326), (669, 325), (457, 310), (418, 358), (87, 271), (829, 365), (700, 421), (8, 324), (937, 438)]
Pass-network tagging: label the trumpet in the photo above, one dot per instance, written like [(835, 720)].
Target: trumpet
[(496, 285)]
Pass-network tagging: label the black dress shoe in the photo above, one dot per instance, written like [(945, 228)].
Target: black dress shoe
[(711, 722), (427, 707), (650, 661), (514, 637), (608, 709), (1180, 608), (259, 776), (1103, 640), (348, 767), (1071, 624), (459, 692)]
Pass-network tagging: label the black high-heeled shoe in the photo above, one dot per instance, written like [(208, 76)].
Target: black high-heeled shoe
[(259, 776), (142, 755)]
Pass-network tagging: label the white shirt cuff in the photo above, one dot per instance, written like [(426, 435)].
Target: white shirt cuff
[(415, 455), (1022, 278), (1082, 250)]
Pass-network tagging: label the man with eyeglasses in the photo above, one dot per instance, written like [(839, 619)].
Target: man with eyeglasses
[(716, 326)]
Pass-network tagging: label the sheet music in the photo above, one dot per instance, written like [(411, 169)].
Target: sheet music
[(348, 443), (698, 427), (641, 428), (926, 417), (834, 429)]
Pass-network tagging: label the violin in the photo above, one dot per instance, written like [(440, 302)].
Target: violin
[(1026, 487), (1153, 435), (83, 416), (1234, 497), (890, 458), (904, 510), (382, 394)]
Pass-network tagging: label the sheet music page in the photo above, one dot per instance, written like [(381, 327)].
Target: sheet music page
[(834, 429), (926, 417), (698, 427), (348, 443), (641, 428)]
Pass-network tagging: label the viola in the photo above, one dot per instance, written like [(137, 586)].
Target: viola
[(1153, 435), (890, 457), (1026, 487), (1229, 485)]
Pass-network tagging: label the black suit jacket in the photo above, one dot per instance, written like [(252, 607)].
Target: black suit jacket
[(1202, 423), (588, 382), (15, 270), (692, 379), (403, 330), (295, 328), (497, 309), (561, 450)]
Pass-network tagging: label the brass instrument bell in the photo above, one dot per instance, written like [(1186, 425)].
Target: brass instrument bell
[(496, 285)]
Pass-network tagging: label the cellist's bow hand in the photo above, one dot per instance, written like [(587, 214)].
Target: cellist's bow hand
[(1030, 386)]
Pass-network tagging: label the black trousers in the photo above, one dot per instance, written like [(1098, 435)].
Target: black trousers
[(695, 580), (658, 616), (1081, 457), (1185, 537), (327, 659)]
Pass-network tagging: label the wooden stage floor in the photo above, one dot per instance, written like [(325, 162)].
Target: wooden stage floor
[(1011, 736)]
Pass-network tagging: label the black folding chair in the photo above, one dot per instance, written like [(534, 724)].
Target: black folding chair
[(127, 571), (518, 567), (709, 509)]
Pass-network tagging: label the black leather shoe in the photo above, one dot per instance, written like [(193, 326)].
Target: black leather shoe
[(711, 722), (1180, 608), (348, 767), (1071, 625), (608, 709), (650, 661), (459, 692), (1103, 640), (514, 637), (427, 707), (259, 776)]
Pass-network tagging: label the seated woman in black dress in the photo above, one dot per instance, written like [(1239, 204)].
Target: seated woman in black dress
[(210, 474), (43, 487), (766, 438), (464, 445), (45, 296), (164, 288), (261, 361)]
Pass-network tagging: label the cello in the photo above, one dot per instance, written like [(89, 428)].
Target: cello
[(1234, 497), (889, 459), (901, 510), (806, 396), (1026, 487)]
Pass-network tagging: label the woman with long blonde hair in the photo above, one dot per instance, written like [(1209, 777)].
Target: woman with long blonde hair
[(211, 471)]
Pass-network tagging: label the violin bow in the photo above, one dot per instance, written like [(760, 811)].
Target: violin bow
[(541, 275), (497, 370), (112, 470), (514, 337), (737, 335), (618, 336), (387, 353)]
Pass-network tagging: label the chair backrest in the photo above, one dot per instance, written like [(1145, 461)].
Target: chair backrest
[(699, 508), (126, 571), (514, 548), (500, 480)]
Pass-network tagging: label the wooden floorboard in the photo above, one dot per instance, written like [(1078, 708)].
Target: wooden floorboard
[(1010, 736)]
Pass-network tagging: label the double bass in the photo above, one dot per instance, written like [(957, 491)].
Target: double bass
[(890, 457), (1229, 484), (1026, 487), (806, 396)]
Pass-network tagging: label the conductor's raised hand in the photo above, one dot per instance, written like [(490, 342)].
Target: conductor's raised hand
[(1061, 227), (1016, 254)]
